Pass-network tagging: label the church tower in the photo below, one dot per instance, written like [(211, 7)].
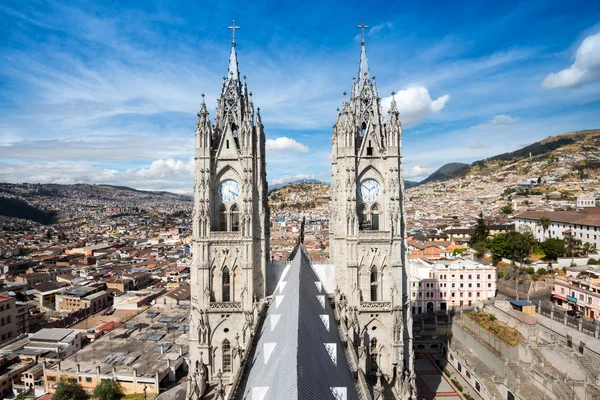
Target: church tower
[(230, 232), (367, 232)]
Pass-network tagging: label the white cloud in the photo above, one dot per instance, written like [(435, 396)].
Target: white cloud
[(415, 103), (503, 119), (585, 68), (285, 144), (169, 167), (418, 171)]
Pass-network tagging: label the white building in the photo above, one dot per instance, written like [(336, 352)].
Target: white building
[(583, 225), (442, 285)]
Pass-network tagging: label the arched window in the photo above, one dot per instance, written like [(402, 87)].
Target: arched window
[(226, 348), (234, 130), (222, 218), (374, 283), (363, 129), (226, 285), (362, 216), (375, 217), (2, 321), (373, 353), (235, 218)]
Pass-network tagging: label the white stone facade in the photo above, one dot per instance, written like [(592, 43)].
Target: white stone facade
[(230, 232), (367, 229)]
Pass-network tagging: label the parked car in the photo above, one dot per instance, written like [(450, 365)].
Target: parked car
[(574, 313)]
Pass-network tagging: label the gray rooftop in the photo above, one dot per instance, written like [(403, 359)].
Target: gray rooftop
[(299, 354), (51, 334)]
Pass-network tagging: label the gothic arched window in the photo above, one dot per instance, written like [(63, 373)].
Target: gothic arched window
[(362, 216), (363, 129), (373, 354), (374, 283), (375, 217), (222, 218), (235, 218), (234, 130), (226, 285), (226, 353)]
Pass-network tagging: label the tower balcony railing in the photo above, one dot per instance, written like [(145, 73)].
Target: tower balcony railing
[(374, 235), (225, 306), (375, 305), (226, 235)]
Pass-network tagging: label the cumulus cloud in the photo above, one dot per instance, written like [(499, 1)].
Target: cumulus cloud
[(418, 171), (285, 144), (585, 68), (415, 103), (503, 119), (169, 167)]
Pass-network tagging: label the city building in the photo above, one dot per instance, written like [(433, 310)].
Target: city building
[(54, 343), (583, 225), (9, 328), (143, 356), (447, 284), (578, 290)]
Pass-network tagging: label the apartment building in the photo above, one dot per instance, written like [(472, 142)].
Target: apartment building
[(8, 319), (583, 225), (447, 284), (579, 290)]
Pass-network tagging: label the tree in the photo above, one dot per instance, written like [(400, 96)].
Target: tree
[(588, 248), (573, 245), (66, 390), (507, 209), (553, 248), (108, 389), (544, 223), (479, 238)]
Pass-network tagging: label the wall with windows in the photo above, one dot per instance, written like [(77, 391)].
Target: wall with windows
[(8, 319)]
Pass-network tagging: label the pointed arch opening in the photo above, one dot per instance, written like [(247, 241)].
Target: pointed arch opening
[(235, 218), (363, 216), (226, 285), (375, 217), (223, 218), (234, 130), (373, 353), (374, 283), (226, 354), (363, 129)]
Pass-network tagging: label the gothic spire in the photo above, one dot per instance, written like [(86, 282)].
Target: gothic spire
[(363, 66), (233, 63)]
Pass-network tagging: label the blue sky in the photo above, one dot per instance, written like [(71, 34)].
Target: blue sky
[(108, 91)]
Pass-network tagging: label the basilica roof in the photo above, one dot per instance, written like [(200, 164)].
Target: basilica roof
[(299, 354)]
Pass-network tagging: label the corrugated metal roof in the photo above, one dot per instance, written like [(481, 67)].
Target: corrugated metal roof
[(299, 354)]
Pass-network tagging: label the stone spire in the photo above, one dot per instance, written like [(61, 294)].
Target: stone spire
[(233, 73), (363, 66)]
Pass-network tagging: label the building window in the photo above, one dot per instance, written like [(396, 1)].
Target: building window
[(235, 218), (226, 285), (478, 276), (226, 356), (375, 217), (88, 379), (374, 285), (489, 276), (589, 300), (373, 354), (222, 218)]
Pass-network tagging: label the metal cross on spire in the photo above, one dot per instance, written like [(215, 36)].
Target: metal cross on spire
[(362, 27), (233, 28)]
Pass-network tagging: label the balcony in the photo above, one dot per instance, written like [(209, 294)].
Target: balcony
[(226, 235), (225, 307), (375, 306), (374, 235)]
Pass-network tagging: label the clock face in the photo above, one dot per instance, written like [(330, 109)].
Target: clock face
[(369, 190), (229, 190)]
